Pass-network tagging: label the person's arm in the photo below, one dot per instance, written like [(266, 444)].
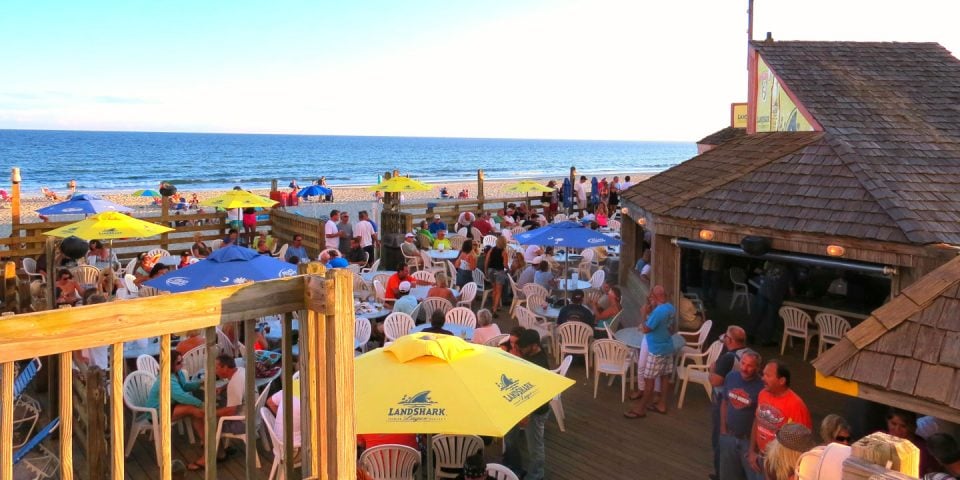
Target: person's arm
[(227, 411), (179, 395), (716, 378), (752, 452), (723, 415)]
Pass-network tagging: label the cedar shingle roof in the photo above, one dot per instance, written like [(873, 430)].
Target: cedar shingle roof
[(911, 345), (723, 135), (886, 168)]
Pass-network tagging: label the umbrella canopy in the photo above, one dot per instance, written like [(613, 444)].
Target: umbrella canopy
[(226, 266), (428, 383), (400, 184), (238, 199), (314, 191), (566, 234), (567, 193), (527, 186), (594, 191), (108, 226), (147, 193), (83, 204)]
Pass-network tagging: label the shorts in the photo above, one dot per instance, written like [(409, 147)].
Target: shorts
[(235, 224), (497, 276), (658, 366)]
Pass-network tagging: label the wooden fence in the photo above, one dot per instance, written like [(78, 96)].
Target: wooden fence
[(450, 210), (324, 302), (285, 225)]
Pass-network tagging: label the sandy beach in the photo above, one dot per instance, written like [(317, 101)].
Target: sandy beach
[(354, 193)]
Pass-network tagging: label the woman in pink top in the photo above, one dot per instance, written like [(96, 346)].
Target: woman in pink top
[(486, 329)]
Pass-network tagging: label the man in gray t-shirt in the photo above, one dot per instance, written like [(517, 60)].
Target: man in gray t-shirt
[(344, 226)]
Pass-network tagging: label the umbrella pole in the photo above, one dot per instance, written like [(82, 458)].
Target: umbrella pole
[(429, 473)]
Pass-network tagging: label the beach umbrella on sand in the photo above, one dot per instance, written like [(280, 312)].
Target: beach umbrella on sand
[(147, 193), (108, 226), (229, 265), (83, 204), (314, 191), (400, 184), (448, 386)]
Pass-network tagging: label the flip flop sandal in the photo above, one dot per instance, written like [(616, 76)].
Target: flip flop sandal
[(630, 414), (656, 410)]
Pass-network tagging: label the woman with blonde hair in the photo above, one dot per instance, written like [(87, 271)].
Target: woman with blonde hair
[(442, 288), (783, 453), (835, 429)]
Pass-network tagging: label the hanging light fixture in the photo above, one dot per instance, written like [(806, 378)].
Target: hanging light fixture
[(641, 221), (707, 235), (835, 250)]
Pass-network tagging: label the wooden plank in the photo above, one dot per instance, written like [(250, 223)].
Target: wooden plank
[(866, 333), (932, 312), (909, 402), (900, 341), (94, 441), (873, 368), (287, 366), (341, 436), (210, 404), (29, 335), (950, 350), (250, 398), (6, 420), (931, 380), (830, 360), (928, 345), (895, 312), (934, 283), (904, 377), (116, 411), (66, 416), (165, 407)]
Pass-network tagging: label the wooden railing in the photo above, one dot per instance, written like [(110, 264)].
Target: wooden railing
[(450, 210), (326, 340), (285, 225)]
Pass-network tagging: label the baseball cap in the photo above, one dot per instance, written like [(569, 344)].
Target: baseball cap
[(404, 286), (436, 216), (409, 235)]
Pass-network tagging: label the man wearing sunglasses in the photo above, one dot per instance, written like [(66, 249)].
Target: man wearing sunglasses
[(741, 390), (734, 344)]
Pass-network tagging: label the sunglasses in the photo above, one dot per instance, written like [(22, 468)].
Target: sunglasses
[(842, 439)]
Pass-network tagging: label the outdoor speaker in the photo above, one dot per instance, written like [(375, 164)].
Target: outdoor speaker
[(167, 189), (74, 248), (755, 246)]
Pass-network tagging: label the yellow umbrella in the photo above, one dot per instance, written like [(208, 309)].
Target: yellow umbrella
[(239, 199), (400, 184), (108, 226), (527, 186), (428, 383)]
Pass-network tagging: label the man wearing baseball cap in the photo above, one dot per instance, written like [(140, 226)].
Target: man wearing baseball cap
[(437, 224), (406, 303)]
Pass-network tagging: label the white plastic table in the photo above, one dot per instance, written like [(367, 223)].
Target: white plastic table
[(465, 333), (450, 254), (567, 284)]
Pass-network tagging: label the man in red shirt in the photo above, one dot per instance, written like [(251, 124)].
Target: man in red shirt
[(777, 406), (393, 283), (483, 224)]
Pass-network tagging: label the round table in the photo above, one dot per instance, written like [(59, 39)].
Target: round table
[(421, 292), (562, 258), (368, 277), (132, 350), (170, 260), (573, 285), (550, 313), (377, 314), (631, 337), (450, 254), (465, 333)]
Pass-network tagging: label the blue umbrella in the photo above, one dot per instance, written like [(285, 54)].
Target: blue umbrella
[(314, 191), (83, 204), (567, 193), (566, 234), (594, 191), (229, 265)]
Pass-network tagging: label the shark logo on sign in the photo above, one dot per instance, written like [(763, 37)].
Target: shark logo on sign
[(515, 391), (177, 281), (418, 407)]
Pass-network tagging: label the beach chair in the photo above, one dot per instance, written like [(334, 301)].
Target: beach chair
[(49, 194), (42, 463)]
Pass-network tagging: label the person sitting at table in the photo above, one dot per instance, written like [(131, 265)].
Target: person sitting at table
[(409, 248), (544, 277), (531, 252), (518, 265), (183, 402), (356, 255), (275, 404), (437, 321), (393, 283), (194, 339), (529, 273), (424, 235), (575, 311), (141, 269), (184, 259), (601, 216), (689, 319), (442, 241), (406, 303), (486, 329), (66, 288), (199, 249), (484, 223), (465, 263), (232, 238), (437, 225), (531, 222), (296, 248), (442, 288), (511, 346), (158, 269), (336, 261), (605, 315), (227, 369)]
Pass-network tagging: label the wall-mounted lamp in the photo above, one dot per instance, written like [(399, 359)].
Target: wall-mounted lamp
[(835, 250), (641, 221), (15, 175), (706, 235), (624, 210)]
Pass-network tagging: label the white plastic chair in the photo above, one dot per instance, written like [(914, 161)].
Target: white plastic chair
[(159, 252), (832, 328), (227, 436), (195, 360), (740, 289), (489, 241), (613, 358), (527, 319), (467, 293), (136, 388), (518, 297), (217, 243), (534, 289), (390, 462), (456, 241), (574, 338), (560, 217), (556, 403), (596, 281), (282, 253), (362, 331), (695, 340), (277, 442), (380, 292), (88, 277), (432, 304), (500, 472), (481, 281), (396, 325), (130, 267), (451, 452), (698, 371), (796, 323), (496, 340), (129, 281), (227, 347), (425, 276), (373, 267), (613, 225), (146, 363), (462, 316), (30, 268)]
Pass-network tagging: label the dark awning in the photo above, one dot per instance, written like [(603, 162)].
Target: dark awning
[(728, 249)]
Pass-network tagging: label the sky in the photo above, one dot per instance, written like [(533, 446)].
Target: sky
[(577, 69)]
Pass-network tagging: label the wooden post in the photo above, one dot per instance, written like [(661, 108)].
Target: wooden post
[(341, 439), (11, 294), (165, 219), (96, 446), (480, 190), (66, 415), (273, 185), (665, 262), (50, 248), (6, 421), (573, 195), (313, 384), (286, 349), (116, 410), (165, 432), (250, 398), (210, 404), (15, 204)]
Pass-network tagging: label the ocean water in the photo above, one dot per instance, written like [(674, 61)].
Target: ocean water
[(103, 161)]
